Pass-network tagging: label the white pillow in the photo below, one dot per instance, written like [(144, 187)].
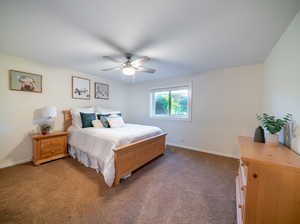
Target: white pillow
[(114, 115), (97, 124), (76, 119), (115, 121), (113, 112)]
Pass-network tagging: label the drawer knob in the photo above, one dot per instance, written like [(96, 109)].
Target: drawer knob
[(240, 206), (255, 175), (243, 188)]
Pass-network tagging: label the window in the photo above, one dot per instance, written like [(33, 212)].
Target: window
[(172, 103)]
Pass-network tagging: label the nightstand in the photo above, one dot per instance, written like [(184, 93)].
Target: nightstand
[(49, 147)]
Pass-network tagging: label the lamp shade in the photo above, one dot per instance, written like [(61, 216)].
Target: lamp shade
[(44, 114)]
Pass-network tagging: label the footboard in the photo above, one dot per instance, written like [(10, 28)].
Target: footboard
[(132, 156)]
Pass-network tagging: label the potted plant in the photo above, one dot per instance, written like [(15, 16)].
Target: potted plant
[(45, 128), (273, 125)]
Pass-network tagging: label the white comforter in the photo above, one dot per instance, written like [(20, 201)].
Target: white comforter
[(99, 142)]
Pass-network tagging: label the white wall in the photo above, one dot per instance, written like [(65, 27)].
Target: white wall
[(225, 103), (17, 107), (224, 106), (282, 77)]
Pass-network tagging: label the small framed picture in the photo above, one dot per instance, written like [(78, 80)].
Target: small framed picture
[(80, 88), (24, 81), (101, 91), (288, 136)]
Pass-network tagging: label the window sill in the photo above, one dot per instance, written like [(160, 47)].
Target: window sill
[(171, 118)]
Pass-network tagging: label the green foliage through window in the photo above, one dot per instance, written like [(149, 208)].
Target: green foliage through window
[(171, 102), (161, 103), (179, 100)]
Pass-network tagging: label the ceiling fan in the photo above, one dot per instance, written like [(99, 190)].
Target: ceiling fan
[(129, 67)]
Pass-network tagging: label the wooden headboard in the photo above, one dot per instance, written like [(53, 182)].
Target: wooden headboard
[(67, 119)]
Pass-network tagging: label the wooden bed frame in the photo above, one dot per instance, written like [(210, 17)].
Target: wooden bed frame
[(131, 156)]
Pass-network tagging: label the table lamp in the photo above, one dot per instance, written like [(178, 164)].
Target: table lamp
[(44, 117)]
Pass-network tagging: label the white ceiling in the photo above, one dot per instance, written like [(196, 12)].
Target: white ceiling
[(182, 36)]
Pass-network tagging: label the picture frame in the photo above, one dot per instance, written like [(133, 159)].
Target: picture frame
[(25, 81), (288, 136), (101, 91), (287, 133), (81, 88)]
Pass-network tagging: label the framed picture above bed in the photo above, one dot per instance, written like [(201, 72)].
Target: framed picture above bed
[(81, 88), (24, 81), (101, 91)]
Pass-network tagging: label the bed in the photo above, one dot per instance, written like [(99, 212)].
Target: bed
[(118, 151)]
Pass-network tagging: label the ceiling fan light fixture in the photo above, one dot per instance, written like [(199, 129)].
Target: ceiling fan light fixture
[(128, 70), (129, 67)]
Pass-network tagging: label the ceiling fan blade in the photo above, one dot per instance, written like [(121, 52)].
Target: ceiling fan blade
[(140, 61), (112, 59), (111, 69), (142, 69)]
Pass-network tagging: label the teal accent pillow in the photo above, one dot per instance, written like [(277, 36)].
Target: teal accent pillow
[(86, 119), (102, 118)]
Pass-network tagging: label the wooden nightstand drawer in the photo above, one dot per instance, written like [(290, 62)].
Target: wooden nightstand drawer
[(49, 147), (53, 146)]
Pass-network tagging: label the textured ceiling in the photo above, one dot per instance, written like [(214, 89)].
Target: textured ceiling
[(182, 37)]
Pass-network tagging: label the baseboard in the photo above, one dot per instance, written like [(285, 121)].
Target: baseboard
[(203, 150), (13, 163)]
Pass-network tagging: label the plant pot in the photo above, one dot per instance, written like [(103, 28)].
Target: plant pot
[(45, 132), (272, 139)]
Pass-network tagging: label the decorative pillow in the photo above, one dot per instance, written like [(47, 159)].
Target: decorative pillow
[(86, 119), (76, 118), (115, 121), (97, 124), (103, 118)]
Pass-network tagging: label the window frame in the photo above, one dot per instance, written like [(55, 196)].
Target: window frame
[(169, 89)]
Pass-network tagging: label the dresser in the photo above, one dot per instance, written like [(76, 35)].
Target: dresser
[(268, 184), (49, 147)]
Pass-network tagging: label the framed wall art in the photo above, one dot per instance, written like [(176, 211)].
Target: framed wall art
[(25, 81), (80, 88), (101, 91)]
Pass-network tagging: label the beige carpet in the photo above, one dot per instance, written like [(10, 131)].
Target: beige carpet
[(180, 187)]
